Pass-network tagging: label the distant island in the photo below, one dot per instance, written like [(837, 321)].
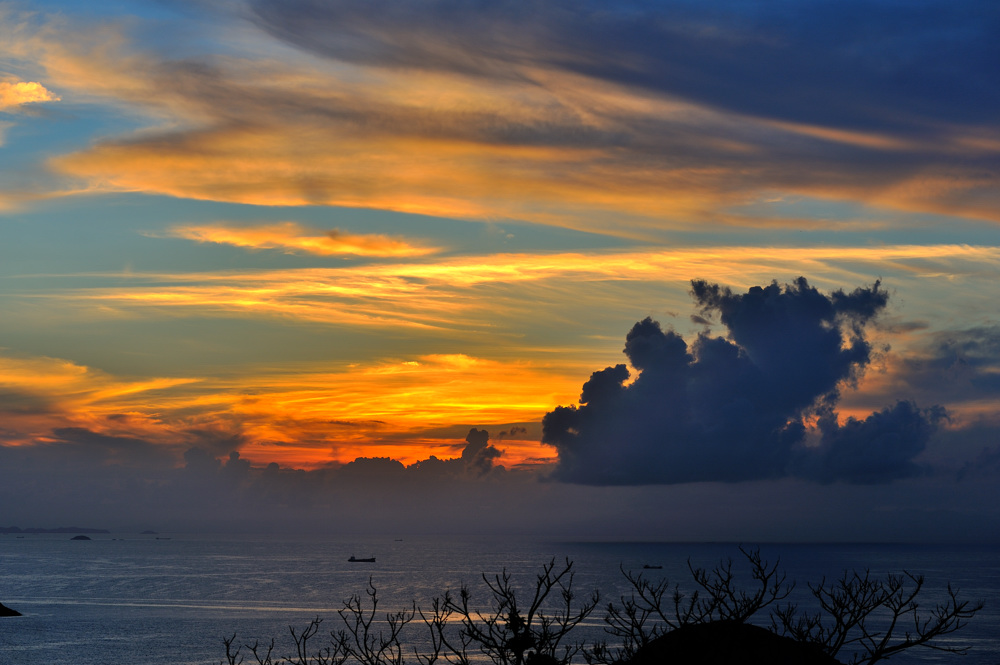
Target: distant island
[(62, 529)]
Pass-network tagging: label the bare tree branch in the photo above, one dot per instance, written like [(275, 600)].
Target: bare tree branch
[(865, 615), (871, 619)]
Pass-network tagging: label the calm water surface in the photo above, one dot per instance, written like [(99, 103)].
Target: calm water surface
[(136, 600)]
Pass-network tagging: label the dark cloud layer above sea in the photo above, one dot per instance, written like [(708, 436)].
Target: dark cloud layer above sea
[(740, 407), (81, 477)]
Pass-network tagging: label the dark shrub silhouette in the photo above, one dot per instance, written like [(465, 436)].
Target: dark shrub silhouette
[(728, 642)]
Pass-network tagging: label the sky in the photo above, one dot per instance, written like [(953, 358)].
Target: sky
[(594, 270)]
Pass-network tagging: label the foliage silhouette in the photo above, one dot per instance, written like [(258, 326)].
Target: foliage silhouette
[(863, 618)]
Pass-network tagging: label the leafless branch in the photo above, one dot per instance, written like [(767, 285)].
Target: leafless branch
[(867, 616), (363, 642)]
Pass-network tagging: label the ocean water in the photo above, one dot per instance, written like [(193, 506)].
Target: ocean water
[(125, 599)]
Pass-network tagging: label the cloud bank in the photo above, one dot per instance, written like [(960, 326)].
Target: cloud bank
[(126, 485), (79, 474), (757, 404)]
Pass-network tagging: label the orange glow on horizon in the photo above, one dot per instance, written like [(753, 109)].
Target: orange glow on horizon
[(518, 453), (303, 419)]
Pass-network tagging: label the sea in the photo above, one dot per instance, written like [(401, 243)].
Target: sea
[(172, 599)]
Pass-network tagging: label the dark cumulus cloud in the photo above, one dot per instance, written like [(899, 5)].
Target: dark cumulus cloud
[(477, 460), (735, 408), (513, 432), (478, 454)]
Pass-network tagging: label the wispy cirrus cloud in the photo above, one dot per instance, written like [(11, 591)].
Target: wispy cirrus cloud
[(386, 107), (471, 292), (292, 237)]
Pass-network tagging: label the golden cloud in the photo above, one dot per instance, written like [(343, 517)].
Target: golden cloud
[(42, 393), (469, 298), (70, 383), (377, 409), (13, 95), (292, 237)]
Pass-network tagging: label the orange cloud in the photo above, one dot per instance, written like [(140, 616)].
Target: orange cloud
[(13, 95), (381, 409), (291, 237), (302, 418), (276, 165), (42, 393)]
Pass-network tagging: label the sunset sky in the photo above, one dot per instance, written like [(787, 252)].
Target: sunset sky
[(269, 263)]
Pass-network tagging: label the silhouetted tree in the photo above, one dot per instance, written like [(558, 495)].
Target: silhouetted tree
[(869, 619), (653, 608), (513, 634), (876, 617), (364, 644)]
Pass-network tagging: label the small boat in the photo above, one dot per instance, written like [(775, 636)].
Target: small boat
[(354, 559), (649, 567)]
